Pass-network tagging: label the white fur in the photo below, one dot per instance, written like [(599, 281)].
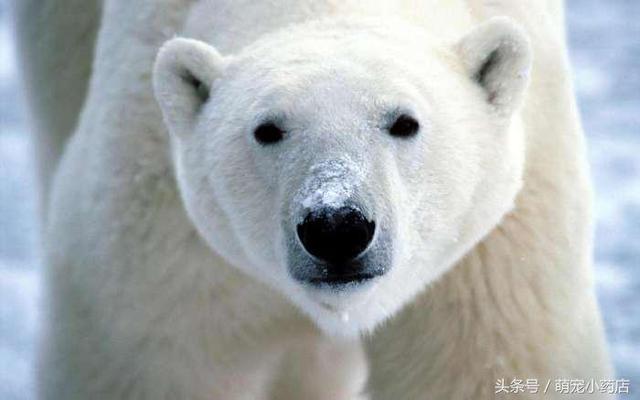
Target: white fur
[(56, 71), (167, 247)]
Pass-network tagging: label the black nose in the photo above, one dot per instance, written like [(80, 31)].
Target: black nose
[(336, 235)]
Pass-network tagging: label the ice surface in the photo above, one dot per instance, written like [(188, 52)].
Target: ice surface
[(606, 55)]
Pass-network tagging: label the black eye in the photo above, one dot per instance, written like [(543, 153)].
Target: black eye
[(268, 133), (404, 126)]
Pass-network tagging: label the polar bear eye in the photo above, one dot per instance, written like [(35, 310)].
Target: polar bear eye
[(404, 126), (268, 133)]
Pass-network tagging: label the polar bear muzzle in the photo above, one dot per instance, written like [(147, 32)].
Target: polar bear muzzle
[(338, 247), (337, 237)]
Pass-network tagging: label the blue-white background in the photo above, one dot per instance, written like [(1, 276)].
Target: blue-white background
[(605, 47)]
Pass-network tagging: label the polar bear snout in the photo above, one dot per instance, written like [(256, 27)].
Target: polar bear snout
[(336, 236), (338, 247)]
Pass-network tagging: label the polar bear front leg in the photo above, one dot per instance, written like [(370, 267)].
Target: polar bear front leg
[(322, 368), (249, 381)]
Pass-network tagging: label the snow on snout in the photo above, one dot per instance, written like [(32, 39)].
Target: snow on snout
[(329, 184)]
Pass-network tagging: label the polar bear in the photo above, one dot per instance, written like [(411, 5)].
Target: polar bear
[(316, 200)]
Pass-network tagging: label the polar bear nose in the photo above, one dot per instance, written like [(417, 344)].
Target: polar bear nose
[(336, 235)]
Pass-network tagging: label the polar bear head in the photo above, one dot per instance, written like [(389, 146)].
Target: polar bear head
[(347, 164)]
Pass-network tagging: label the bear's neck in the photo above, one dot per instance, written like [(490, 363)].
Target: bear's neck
[(521, 303)]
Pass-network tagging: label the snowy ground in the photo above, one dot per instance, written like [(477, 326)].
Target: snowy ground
[(605, 42)]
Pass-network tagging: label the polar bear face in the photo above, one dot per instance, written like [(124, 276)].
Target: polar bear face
[(347, 164)]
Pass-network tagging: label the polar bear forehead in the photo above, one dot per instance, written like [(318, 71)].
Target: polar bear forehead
[(371, 66), (364, 41), (342, 90)]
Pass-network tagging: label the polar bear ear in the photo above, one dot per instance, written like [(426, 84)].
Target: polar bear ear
[(497, 56), (183, 74)]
